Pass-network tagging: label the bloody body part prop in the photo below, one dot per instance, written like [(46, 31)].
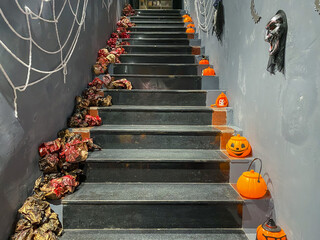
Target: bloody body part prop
[(37, 221), (128, 10), (276, 36)]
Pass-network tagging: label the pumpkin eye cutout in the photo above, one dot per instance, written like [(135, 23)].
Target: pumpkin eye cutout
[(243, 146), (232, 145)]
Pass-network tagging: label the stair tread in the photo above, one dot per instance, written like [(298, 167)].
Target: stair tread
[(157, 155), (156, 54), (156, 108), (158, 128), (156, 234), (159, 46), (158, 76), (155, 91), (154, 193), (159, 64)]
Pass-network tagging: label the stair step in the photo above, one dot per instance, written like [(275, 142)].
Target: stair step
[(157, 41), (164, 82), (158, 23), (155, 11), (157, 97), (157, 29), (154, 115), (155, 234), (154, 68), (156, 136), (157, 165), (159, 35), (150, 49), (156, 18), (152, 205), (157, 58), (166, 14)]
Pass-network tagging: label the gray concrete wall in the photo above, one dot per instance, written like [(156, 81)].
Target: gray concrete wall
[(43, 108), (278, 114)]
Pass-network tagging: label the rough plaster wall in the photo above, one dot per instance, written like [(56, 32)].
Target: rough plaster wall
[(43, 108), (279, 114)]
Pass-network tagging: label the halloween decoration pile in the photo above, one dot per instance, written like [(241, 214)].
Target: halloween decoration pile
[(113, 50), (92, 96), (111, 83), (62, 160), (218, 19), (204, 61), (270, 231), (208, 72), (37, 221), (128, 10), (221, 101), (276, 36), (238, 146), (256, 18), (251, 184)]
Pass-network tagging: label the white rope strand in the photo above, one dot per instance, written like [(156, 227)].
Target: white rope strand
[(29, 14)]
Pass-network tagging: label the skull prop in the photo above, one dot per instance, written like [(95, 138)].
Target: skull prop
[(276, 36)]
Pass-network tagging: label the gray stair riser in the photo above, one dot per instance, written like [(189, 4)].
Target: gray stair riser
[(156, 140), (157, 98), (157, 29), (127, 58), (140, 215), (159, 23), (154, 69), (165, 14), (147, 117), (204, 172), (158, 35), (155, 234), (158, 49), (156, 18), (164, 83), (156, 11), (156, 41)]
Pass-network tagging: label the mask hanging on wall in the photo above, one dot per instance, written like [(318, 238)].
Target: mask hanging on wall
[(276, 36), (218, 19), (256, 18)]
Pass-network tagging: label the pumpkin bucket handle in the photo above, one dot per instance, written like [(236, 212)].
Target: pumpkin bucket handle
[(260, 167)]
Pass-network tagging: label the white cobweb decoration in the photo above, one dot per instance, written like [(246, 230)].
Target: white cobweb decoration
[(78, 23)]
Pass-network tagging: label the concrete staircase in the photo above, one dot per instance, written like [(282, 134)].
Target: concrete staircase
[(161, 173)]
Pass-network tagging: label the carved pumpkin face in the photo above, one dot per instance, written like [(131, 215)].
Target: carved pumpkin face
[(270, 231), (238, 146), (222, 100), (208, 72), (190, 30)]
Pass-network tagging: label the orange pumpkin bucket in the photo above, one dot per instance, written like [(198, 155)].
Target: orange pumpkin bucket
[(221, 101), (250, 184), (187, 19), (238, 147), (190, 30), (208, 72), (204, 61), (190, 25), (269, 230)]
